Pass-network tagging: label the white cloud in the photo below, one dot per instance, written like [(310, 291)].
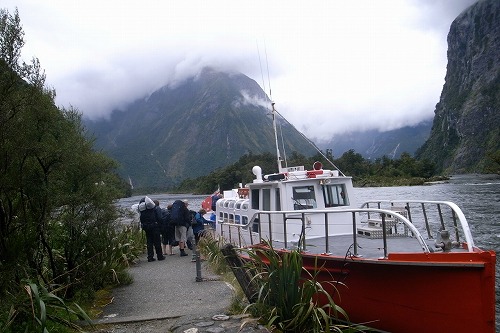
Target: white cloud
[(333, 65), (252, 100)]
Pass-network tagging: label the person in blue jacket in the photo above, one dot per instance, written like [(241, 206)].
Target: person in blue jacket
[(198, 226), (201, 221)]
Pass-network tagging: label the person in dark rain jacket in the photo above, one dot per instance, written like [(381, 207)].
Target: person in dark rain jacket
[(150, 217)]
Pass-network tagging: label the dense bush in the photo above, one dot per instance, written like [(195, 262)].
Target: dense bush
[(58, 235)]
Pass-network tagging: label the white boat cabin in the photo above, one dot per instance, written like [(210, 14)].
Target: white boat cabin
[(294, 189), (309, 208)]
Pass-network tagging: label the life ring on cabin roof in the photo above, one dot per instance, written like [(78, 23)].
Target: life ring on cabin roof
[(314, 173), (317, 170)]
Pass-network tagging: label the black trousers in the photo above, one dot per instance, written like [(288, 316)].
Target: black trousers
[(153, 241)]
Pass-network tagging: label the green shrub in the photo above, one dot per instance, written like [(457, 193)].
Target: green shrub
[(39, 310), (209, 247), (290, 298)]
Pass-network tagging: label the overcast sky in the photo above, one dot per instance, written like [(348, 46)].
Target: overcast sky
[(333, 65)]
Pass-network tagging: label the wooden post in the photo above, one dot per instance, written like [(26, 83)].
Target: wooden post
[(242, 273)]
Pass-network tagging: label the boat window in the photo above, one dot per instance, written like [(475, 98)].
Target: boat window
[(304, 197), (225, 218), (335, 195), (238, 205), (237, 219), (266, 199), (277, 197), (244, 220), (231, 218), (255, 199), (256, 225), (244, 206)]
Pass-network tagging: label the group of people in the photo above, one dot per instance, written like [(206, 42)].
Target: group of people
[(172, 226)]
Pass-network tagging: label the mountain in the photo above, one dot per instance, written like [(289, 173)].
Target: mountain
[(211, 120), (372, 144), (191, 129), (466, 128)]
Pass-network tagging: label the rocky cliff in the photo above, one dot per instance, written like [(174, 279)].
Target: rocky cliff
[(465, 133)]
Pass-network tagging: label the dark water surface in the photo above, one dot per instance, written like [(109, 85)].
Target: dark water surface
[(477, 195)]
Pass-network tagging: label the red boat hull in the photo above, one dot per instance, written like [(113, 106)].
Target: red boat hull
[(434, 292)]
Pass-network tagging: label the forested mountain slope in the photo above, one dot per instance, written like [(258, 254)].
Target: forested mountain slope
[(185, 131)]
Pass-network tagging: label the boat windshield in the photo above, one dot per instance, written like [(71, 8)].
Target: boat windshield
[(304, 197), (335, 195)]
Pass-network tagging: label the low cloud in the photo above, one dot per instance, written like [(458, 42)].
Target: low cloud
[(253, 100), (330, 66)]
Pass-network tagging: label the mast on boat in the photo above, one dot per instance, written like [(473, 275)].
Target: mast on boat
[(278, 154)]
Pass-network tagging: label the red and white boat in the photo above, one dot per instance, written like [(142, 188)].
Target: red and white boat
[(405, 265)]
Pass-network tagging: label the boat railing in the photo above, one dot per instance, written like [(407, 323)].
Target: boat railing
[(379, 219), (422, 207), (261, 226)]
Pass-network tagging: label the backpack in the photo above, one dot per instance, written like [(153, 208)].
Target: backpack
[(165, 218), (145, 203), (194, 221), (177, 213), (148, 218)]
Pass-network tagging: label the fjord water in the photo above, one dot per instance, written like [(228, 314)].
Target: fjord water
[(477, 195)]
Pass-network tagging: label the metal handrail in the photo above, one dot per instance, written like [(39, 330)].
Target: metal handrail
[(456, 213), (304, 213)]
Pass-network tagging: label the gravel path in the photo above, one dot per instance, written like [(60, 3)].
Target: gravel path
[(171, 296)]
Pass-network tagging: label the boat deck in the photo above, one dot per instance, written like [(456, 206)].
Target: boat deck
[(372, 248)]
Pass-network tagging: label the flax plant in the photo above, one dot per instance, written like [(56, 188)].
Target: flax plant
[(209, 247), (126, 248), (42, 311), (289, 296)]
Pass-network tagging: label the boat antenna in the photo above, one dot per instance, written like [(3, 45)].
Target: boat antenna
[(283, 146), (280, 167), (268, 78), (307, 139), (260, 64), (278, 154), (273, 110)]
